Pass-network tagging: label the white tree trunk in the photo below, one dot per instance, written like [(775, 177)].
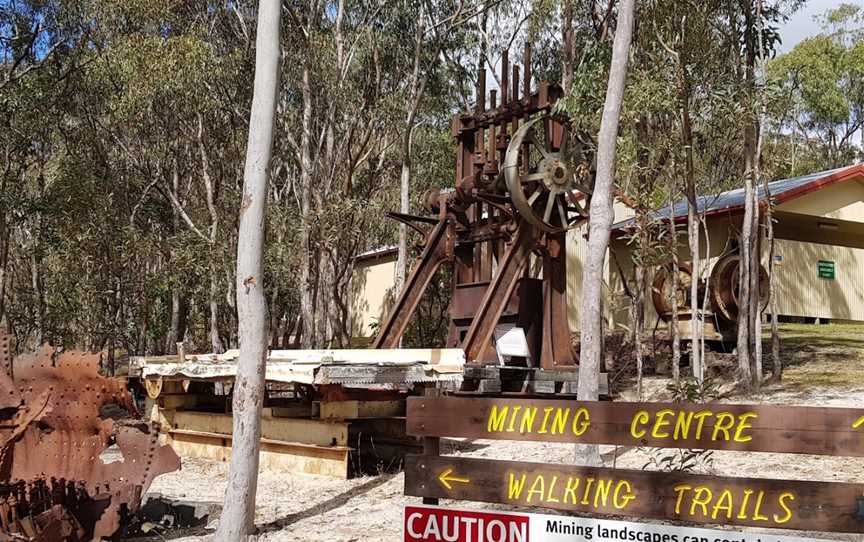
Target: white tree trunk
[(695, 313), (238, 513), (744, 308), (673, 301), (418, 87), (600, 222)]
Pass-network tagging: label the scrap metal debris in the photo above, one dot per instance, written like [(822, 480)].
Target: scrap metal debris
[(75, 457)]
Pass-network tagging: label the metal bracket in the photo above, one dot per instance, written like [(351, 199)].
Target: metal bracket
[(860, 514)]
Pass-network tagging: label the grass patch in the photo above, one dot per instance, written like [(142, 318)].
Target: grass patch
[(821, 355)]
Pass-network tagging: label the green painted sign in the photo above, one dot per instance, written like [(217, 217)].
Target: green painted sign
[(826, 270)]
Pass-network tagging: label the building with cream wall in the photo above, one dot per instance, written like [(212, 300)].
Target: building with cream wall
[(819, 217)]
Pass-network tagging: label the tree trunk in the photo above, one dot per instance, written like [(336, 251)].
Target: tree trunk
[(777, 367), (238, 516), (178, 321), (418, 87), (568, 56), (743, 343), (673, 287), (213, 303), (308, 244), (692, 229), (600, 222), (404, 208), (755, 305)]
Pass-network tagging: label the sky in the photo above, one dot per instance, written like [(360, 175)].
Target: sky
[(801, 25)]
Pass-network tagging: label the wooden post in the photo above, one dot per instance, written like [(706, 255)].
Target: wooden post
[(431, 445)]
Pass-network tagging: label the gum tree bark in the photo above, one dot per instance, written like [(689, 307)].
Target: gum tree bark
[(600, 222), (673, 301), (238, 515)]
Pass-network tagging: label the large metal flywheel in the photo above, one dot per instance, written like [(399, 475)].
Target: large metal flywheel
[(549, 184)]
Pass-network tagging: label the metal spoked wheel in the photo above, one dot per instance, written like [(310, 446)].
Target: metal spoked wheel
[(549, 185)]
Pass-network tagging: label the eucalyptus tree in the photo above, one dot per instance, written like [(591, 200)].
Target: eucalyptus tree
[(238, 516), (600, 223), (821, 83)]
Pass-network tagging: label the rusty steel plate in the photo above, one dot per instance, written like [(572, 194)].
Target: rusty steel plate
[(76, 457)]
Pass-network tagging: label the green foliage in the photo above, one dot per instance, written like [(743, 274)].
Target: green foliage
[(688, 390), (820, 92)]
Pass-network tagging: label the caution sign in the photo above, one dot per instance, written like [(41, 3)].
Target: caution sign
[(435, 524), (783, 504)]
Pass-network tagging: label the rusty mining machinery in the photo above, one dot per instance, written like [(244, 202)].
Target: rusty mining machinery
[(523, 179)]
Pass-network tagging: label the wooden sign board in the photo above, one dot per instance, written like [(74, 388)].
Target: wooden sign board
[(754, 428), (812, 506)]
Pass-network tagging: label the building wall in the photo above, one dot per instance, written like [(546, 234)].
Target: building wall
[(371, 291), (577, 251), (800, 291), (841, 201)]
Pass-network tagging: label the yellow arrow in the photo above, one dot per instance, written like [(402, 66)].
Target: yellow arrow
[(858, 423), (445, 479)]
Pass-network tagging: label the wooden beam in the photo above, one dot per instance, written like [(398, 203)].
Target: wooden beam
[(275, 455), (318, 432), (347, 410)]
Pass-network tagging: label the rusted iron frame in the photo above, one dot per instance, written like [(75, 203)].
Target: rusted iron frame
[(439, 248), (479, 336)]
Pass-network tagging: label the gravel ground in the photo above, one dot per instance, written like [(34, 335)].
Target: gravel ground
[(308, 508), (311, 508)]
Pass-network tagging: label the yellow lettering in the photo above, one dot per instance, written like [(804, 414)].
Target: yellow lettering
[(661, 422), (513, 414), (680, 490), (546, 412), (724, 502), (782, 502), (621, 500), (497, 418), (549, 497), (581, 421), (570, 490), (742, 512), (559, 422), (514, 487), (588, 483), (742, 425), (537, 488), (602, 492), (724, 423), (757, 516), (640, 417), (701, 497), (700, 416), (528, 416), (682, 425)]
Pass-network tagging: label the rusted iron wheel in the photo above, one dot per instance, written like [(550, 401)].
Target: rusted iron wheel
[(546, 183), (661, 285), (725, 287)]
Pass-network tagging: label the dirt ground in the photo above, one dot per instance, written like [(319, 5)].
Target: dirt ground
[(825, 366)]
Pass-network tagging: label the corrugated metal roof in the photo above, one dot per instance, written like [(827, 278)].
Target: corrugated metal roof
[(731, 200)]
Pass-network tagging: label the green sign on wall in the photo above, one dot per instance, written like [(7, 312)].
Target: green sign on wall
[(826, 270)]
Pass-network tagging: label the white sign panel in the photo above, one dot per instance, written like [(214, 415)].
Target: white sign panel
[(436, 524), (510, 341)]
